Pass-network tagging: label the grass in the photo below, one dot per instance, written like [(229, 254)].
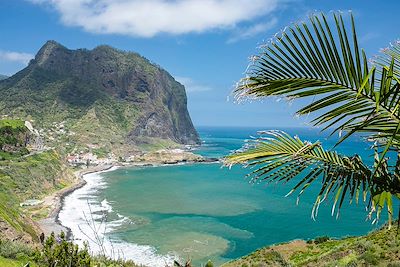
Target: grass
[(378, 248), (14, 124), (15, 254), (9, 156), (15, 263), (153, 144)]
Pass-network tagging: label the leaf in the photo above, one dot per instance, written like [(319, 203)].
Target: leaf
[(323, 61), (281, 158)]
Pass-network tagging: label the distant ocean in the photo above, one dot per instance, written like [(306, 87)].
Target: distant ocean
[(204, 211)]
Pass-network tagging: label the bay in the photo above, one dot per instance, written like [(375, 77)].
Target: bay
[(206, 211)]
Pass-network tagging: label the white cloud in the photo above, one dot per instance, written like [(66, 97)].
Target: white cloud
[(369, 36), (192, 86), (18, 57), (246, 33), (147, 18)]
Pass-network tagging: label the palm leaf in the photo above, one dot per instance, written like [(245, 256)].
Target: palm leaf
[(322, 60), (325, 62), (385, 185), (282, 158)]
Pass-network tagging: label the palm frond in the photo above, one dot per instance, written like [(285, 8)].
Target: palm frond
[(385, 184), (278, 157), (388, 54), (323, 61), (282, 158)]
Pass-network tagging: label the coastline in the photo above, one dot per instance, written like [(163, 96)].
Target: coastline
[(51, 223), (76, 205), (56, 201)]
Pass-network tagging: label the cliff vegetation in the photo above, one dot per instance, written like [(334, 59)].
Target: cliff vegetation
[(378, 248)]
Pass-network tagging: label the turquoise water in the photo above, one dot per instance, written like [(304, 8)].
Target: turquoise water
[(203, 211)]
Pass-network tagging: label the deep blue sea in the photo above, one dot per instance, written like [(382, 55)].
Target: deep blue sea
[(206, 211)]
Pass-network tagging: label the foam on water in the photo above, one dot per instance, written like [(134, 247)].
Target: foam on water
[(202, 211), (87, 217)]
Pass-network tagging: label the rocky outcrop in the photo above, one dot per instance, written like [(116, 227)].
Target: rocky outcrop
[(173, 156), (123, 94)]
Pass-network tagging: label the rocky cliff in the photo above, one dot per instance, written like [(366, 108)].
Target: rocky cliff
[(99, 96)]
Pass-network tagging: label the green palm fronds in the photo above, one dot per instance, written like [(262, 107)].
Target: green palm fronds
[(315, 59), (384, 187), (278, 157), (284, 158), (320, 59)]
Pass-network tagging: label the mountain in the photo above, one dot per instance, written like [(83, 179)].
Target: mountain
[(3, 77), (100, 97)]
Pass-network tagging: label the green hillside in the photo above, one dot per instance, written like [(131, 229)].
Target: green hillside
[(379, 248), (31, 177)]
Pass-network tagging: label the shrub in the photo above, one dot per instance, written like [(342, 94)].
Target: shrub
[(59, 252), (103, 261), (321, 239), (364, 245), (14, 250), (370, 258)]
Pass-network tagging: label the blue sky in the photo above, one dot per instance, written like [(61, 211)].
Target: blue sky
[(205, 44)]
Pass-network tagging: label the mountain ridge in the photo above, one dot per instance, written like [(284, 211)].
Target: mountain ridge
[(100, 94)]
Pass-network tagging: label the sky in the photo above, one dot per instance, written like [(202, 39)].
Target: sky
[(204, 44)]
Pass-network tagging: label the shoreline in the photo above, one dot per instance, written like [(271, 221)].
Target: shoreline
[(52, 223)]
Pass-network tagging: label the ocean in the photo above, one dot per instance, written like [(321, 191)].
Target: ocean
[(203, 211)]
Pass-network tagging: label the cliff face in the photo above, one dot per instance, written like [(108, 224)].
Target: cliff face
[(100, 94)]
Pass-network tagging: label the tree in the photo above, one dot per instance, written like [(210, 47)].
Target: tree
[(318, 59)]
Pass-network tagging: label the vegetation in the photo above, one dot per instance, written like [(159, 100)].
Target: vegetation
[(15, 263), (154, 144), (379, 248), (15, 253), (13, 138), (56, 251), (350, 95), (13, 124), (25, 178)]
